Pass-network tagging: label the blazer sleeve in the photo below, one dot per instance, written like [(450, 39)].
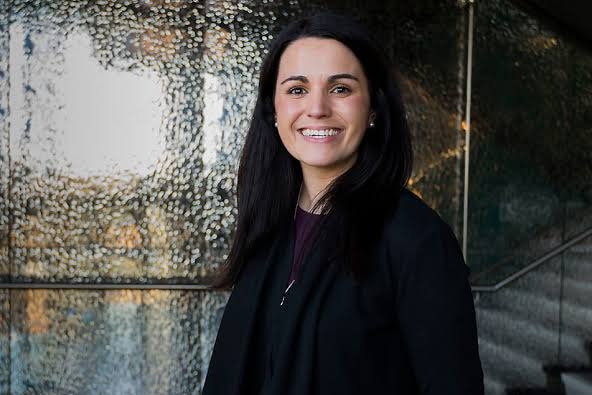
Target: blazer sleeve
[(437, 316)]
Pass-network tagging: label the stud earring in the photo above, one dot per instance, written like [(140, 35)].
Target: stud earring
[(275, 124), (371, 124)]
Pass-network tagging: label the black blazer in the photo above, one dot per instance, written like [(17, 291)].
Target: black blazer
[(407, 328)]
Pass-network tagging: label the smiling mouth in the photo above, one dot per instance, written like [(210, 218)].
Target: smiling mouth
[(319, 133)]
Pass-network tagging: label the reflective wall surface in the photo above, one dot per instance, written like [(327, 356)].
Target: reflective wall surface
[(121, 124), (531, 152), (110, 342), (124, 122)]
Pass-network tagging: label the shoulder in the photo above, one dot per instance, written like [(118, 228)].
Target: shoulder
[(413, 218), (412, 227), (419, 244), (416, 235)]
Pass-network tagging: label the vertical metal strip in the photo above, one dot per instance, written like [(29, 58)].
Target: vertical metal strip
[(468, 127), (10, 293), (561, 289), (461, 73)]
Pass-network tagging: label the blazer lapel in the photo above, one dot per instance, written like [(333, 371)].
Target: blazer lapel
[(229, 360), (299, 315)]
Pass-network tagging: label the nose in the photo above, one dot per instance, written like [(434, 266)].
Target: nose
[(318, 105)]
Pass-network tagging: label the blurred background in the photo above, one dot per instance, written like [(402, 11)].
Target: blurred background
[(121, 124)]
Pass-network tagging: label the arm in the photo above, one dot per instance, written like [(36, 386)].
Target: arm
[(437, 316)]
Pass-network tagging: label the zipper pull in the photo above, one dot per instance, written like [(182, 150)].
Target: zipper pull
[(286, 292)]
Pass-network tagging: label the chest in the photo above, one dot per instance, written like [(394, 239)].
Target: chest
[(357, 311)]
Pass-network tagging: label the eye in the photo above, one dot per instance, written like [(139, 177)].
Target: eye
[(341, 90), (296, 91)]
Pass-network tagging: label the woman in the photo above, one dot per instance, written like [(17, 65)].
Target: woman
[(344, 281)]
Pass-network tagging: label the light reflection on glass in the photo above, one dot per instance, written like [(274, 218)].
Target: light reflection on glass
[(212, 114), (88, 121)]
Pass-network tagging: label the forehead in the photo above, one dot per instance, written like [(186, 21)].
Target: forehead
[(318, 56)]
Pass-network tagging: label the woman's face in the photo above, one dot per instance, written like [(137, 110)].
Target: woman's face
[(322, 104)]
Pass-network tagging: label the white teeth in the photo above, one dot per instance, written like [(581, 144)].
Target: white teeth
[(319, 133)]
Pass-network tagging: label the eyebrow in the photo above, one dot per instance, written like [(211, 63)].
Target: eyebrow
[(332, 78)]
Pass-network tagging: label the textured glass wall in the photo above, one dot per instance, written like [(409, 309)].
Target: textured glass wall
[(124, 132), (530, 191), (115, 342), (430, 45), (4, 139), (531, 150), (121, 125), (126, 120)]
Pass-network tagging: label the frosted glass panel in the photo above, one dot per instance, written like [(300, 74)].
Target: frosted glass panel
[(127, 119), (125, 126), (117, 342)]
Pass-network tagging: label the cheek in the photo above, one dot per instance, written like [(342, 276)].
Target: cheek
[(286, 109), (283, 112), (356, 110), (360, 109)]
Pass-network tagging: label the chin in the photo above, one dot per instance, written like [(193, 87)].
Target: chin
[(324, 164)]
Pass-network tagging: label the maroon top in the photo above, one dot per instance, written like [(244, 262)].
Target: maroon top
[(304, 224)]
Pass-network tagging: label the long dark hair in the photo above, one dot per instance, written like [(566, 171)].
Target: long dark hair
[(269, 178)]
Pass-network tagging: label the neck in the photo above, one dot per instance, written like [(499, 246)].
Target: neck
[(312, 190), (315, 182)]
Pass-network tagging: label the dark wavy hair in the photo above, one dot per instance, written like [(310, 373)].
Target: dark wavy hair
[(269, 178)]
